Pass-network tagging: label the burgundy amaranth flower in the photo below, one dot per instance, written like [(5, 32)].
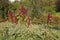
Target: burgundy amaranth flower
[(28, 21), (10, 15), (15, 19), (49, 17), (23, 10)]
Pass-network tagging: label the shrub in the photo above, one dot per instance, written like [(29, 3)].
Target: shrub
[(21, 32)]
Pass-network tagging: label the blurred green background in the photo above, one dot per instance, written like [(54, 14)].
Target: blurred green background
[(34, 8)]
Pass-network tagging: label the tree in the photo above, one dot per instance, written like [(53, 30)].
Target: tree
[(58, 6), (3, 8)]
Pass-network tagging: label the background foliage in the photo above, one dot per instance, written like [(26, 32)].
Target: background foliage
[(34, 7)]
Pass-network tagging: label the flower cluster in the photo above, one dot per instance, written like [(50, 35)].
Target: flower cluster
[(23, 10), (49, 17), (10, 15), (28, 21), (15, 19), (24, 13)]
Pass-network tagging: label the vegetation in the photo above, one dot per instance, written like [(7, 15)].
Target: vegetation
[(10, 31), (29, 20)]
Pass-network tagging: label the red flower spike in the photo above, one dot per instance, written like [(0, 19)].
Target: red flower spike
[(23, 10), (28, 21), (49, 17), (15, 19), (10, 15)]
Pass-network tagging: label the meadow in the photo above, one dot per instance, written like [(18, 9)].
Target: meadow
[(35, 31)]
